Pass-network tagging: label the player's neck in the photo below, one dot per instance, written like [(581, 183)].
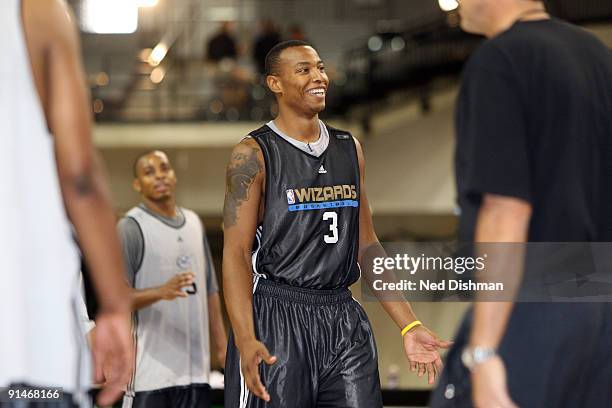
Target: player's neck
[(167, 208), (304, 129), (524, 12)]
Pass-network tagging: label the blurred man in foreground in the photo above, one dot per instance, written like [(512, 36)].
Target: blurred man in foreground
[(533, 164), (50, 180)]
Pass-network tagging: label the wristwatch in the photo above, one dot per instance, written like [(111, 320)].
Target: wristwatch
[(472, 356)]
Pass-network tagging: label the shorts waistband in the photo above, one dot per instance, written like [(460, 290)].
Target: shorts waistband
[(266, 287)]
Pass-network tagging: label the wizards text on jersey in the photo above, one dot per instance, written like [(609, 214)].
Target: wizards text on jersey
[(315, 198)]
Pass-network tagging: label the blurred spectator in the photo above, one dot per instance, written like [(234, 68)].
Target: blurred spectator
[(222, 44), (267, 38), (296, 32)]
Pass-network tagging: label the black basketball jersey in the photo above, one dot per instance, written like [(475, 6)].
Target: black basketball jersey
[(310, 231)]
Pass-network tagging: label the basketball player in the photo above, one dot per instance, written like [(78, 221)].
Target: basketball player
[(296, 185), (533, 163), (51, 176), (175, 293)]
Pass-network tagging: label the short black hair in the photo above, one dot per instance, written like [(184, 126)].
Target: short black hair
[(140, 156), (273, 56)]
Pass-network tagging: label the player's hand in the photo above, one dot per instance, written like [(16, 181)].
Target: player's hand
[(421, 347), (112, 355), (489, 388), (252, 353), (173, 287)]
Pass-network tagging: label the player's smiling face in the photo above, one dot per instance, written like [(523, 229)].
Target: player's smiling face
[(156, 179), (302, 80)]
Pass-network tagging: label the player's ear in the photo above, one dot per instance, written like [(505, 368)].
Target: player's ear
[(136, 185), (274, 84)]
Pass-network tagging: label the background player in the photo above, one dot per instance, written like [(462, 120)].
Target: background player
[(47, 181), (175, 293), (297, 185), (533, 163)]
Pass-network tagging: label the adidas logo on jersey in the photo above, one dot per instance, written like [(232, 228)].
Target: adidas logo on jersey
[(322, 170)]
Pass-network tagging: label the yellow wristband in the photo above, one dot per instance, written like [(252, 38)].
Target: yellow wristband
[(410, 326)]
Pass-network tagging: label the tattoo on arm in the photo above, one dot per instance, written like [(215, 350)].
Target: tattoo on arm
[(241, 173), (84, 185)]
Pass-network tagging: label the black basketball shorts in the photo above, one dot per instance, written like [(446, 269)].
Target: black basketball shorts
[(325, 349), (187, 396)]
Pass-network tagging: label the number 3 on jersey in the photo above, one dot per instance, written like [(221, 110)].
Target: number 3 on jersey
[(333, 227)]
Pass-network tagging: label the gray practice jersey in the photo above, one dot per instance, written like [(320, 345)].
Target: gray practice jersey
[(133, 246), (171, 337)]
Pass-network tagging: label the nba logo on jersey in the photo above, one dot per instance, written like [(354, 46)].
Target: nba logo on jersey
[(290, 197)]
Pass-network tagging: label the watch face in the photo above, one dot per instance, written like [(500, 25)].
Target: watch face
[(472, 356), (480, 354)]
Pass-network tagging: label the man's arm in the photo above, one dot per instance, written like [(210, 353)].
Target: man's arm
[(500, 219), (82, 178), (217, 328), (170, 290), (132, 243), (244, 183), (54, 50), (420, 343)]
